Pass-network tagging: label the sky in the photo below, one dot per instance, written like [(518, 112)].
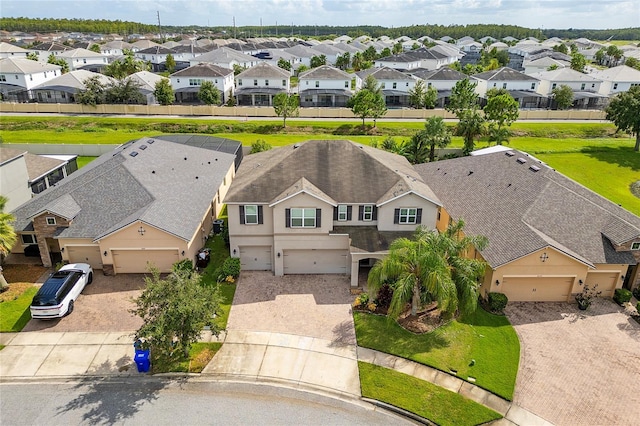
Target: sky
[(543, 14)]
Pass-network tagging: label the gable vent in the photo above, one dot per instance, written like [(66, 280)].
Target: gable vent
[(133, 153), (509, 153), (521, 160), (534, 168)]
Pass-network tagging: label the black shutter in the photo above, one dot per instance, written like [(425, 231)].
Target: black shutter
[(241, 215), (396, 216), (260, 219), (318, 218), (287, 218), (349, 212), (419, 216), (374, 214), (335, 213), (360, 212)]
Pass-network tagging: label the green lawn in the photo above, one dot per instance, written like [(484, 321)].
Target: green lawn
[(483, 346), (425, 399), (14, 314), (219, 252), (83, 161), (199, 356)]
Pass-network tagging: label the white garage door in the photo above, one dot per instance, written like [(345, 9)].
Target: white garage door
[(137, 261), (315, 261), (606, 281), (85, 254), (536, 289), (255, 258)]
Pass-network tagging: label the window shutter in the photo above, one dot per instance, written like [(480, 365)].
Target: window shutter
[(360, 212), (374, 214), (287, 218), (318, 218), (241, 215), (335, 213), (260, 217), (396, 216), (419, 217), (349, 212)]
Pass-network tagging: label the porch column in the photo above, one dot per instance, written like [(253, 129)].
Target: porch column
[(355, 272)]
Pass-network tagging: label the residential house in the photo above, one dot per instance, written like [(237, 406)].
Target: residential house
[(324, 86), (186, 83), (146, 82), (544, 63), (617, 79), (522, 87), (442, 79), (329, 51), (394, 84), (83, 59), (143, 44), (119, 213), (24, 174), (499, 46), (226, 58), (314, 208), (18, 76), (156, 56), (548, 236), (305, 54), (63, 89), (586, 89), (8, 50), (45, 50), (116, 48), (258, 85), (183, 54), (430, 59)]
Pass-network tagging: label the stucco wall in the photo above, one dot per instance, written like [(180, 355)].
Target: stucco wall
[(386, 212)]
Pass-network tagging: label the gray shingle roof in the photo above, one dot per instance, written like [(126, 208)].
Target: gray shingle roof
[(441, 74), (343, 170), (521, 211), (203, 70), (325, 72), (157, 186), (369, 239), (264, 70), (384, 73), (504, 74)]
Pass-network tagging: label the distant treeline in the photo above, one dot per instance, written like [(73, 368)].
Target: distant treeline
[(477, 31)]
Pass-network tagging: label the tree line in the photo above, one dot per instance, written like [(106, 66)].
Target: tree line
[(101, 26)]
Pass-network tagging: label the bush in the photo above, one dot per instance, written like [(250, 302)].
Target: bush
[(184, 265), (621, 296), (638, 307), (497, 302), (230, 268), (636, 292), (259, 146), (383, 300)]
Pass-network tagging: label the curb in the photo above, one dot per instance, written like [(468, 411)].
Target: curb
[(399, 411)]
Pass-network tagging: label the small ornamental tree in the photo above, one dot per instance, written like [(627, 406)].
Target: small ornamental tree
[(286, 105), (284, 64), (93, 93), (164, 92), (317, 61), (209, 94), (624, 112), (501, 111), (170, 63), (124, 91), (563, 96)]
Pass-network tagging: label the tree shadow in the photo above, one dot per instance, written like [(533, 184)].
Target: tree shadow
[(623, 156), (111, 400)]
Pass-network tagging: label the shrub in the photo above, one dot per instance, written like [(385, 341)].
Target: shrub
[(638, 308), (497, 302), (621, 296), (230, 268), (362, 300), (385, 294), (636, 292), (184, 265), (259, 146)]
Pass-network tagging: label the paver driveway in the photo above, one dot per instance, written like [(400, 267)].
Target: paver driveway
[(102, 307), (576, 367), (305, 305)]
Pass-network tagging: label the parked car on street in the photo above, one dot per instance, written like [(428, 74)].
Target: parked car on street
[(57, 295)]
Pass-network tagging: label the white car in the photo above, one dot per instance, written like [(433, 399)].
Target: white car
[(57, 295)]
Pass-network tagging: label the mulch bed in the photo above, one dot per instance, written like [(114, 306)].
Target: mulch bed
[(23, 273), (14, 291), (425, 321)]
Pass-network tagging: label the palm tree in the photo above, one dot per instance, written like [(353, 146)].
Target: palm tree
[(470, 127), (7, 237), (432, 266), (436, 134)]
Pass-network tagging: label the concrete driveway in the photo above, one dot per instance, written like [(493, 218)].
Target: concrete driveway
[(295, 329), (103, 306), (578, 367)]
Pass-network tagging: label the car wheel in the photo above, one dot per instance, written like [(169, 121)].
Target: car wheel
[(70, 308), (90, 278)]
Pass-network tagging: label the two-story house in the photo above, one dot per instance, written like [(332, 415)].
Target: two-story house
[(258, 85), (585, 87), (521, 86), (83, 59), (324, 206), (63, 89), (8, 50), (18, 76), (442, 79), (394, 84), (324, 86), (156, 56), (186, 83), (617, 79), (226, 58)]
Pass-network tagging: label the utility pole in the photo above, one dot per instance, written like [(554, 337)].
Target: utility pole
[(260, 27), (159, 27), (235, 34), (276, 28)]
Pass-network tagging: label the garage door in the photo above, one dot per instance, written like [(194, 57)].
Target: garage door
[(85, 254), (255, 258), (135, 261), (315, 261), (537, 289), (606, 281)]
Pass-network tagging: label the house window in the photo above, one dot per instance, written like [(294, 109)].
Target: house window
[(317, 84), (255, 82), (251, 215), (28, 239), (266, 82), (195, 82), (51, 220), (407, 216), (593, 86), (615, 86), (553, 86), (284, 82), (367, 213), (582, 86), (303, 218), (395, 85), (3, 77), (382, 85), (504, 85), (16, 76), (240, 82), (495, 84), (346, 84), (533, 86), (635, 246), (342, 213)]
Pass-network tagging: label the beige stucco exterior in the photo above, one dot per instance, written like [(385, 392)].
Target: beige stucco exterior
[(14, 182)]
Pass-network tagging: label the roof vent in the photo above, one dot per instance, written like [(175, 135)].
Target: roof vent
[(133, 153), (185, 158), (470, 173), (534, 168), (153, 172), (521, 160), (509, 153), (143, 147), (150, 141), (296, 146)]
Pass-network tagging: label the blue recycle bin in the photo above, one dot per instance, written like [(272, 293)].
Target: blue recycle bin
[(143, 362)]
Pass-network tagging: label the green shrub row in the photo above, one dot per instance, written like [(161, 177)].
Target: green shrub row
[(621, 296)]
